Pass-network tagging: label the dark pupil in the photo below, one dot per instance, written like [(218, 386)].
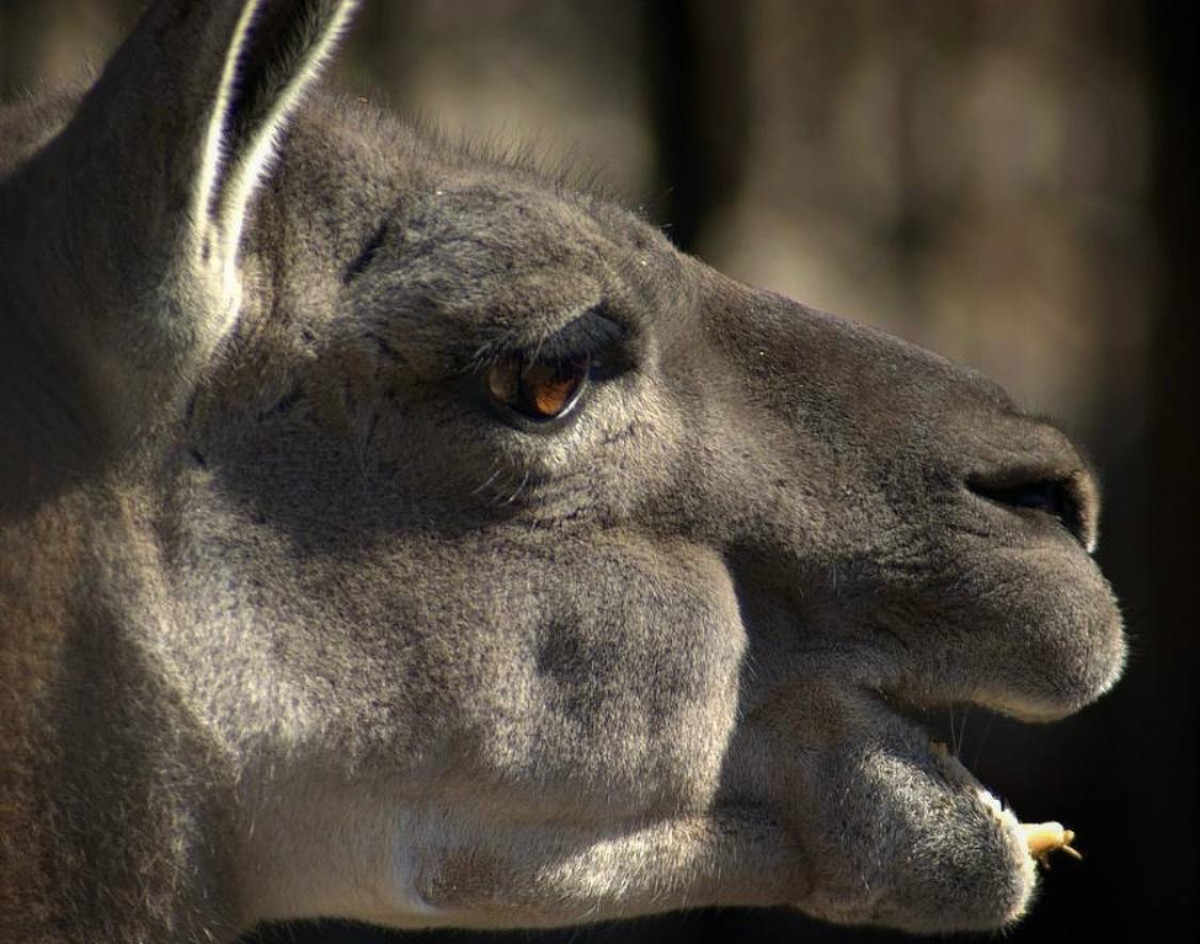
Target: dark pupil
[(542, 389)]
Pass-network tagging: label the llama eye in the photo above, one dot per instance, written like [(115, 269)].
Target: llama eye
[(539, 390)]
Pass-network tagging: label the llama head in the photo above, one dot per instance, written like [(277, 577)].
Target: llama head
[(466, 555)]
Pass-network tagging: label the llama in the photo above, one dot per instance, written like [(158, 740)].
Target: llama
[(388, 533)]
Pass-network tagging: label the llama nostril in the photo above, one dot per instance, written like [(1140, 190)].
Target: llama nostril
[(1065, 498)]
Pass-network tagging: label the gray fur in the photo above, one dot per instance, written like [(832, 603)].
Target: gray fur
[(294, 624)]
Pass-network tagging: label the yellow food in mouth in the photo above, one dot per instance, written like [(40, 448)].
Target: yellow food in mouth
[(1042, 839)]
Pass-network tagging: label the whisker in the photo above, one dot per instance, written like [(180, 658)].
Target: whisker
[(499, 467), (520, 488), (962, 729), (991, 718)]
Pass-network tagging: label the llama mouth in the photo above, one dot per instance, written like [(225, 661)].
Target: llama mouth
[(1041, 839), (940, 730), (931, 731), (919, 843)]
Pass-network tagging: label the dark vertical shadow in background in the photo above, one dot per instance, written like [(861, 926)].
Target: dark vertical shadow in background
[(1163, 767), (695, 61)]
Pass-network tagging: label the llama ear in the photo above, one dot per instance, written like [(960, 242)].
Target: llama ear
[(276, 50), (143, 198)]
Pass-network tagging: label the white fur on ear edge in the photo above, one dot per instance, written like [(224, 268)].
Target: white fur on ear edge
[(227, 181)]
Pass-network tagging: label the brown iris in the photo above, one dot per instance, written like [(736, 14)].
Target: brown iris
[(538, 390)]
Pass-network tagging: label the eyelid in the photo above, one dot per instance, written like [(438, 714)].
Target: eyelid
[(593, 334)]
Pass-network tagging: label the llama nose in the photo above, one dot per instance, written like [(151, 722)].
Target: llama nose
[(1072, 498)]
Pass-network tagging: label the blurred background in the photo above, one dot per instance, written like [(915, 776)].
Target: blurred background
[(1010, 183)]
